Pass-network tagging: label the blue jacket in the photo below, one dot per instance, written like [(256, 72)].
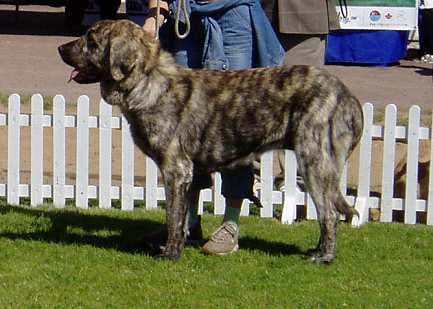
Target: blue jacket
[(268, 49)]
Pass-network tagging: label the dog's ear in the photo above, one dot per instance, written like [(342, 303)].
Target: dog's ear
[(122, 58)]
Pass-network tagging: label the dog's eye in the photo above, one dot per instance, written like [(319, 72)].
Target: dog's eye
[(91, 41), (91, 44)]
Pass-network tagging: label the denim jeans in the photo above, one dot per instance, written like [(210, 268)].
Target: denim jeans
[(235, 25), (237, 35)]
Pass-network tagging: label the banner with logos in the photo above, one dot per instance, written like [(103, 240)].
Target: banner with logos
[(378, 14)]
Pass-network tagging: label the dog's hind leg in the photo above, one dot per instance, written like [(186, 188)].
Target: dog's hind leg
[(321, 176), (178, 180)]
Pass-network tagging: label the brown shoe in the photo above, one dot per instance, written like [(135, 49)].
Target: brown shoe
[(223, 241)]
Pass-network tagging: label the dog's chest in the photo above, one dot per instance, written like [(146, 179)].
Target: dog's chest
[(146, 136)]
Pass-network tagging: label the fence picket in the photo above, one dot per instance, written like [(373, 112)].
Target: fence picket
[(245, 208), (364, 166), (13, 177), (388, 163), (311, 208), (37, 153), (219, 200), (266, 184), (343, 180), (82, 165), (430, 190), (412, 165), (205, 196), (59, 151), (290, 171), (151, 184), (127, 167), (105, 114), (201, 200)]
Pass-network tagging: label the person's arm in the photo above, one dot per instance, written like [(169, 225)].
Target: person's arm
[(150, 22)]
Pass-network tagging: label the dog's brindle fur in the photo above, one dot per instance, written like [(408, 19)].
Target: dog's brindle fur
[(200, 121)]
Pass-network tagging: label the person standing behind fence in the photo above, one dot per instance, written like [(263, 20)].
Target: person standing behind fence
[(302, 27), (75, 10), (426, 30), (225, 35)]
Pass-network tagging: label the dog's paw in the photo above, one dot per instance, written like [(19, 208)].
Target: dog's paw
[(322, 259), (169, 252), (167, 257)]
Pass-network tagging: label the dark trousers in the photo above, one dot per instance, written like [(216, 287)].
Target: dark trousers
[(426, 31), (75, 10), (108, 8)]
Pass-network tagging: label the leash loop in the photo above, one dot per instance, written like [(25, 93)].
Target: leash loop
[(181, 5)]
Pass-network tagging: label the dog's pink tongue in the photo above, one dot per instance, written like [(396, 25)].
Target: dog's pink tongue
[(74, 73)]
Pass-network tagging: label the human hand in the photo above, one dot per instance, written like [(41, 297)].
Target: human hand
[(150, 25)]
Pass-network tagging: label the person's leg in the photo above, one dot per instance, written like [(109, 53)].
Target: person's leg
[(428, 26), (108, 8), (188, 52), (238, 47), (304, 49), (74, 14), (421, 33), (236, 184), (194, 233), (426, 35)]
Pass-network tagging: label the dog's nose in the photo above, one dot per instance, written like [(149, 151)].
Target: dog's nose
[(60, 49), (65, 52)]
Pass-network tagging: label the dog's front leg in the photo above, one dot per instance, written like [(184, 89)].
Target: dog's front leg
[(178, 186)]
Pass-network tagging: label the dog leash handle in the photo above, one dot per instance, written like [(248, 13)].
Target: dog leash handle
[(181, 5), (157, 25)]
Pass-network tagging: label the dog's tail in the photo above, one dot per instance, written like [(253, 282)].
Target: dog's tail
[(344, 208)]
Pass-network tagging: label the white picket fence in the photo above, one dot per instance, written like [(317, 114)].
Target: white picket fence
[(151, 193)]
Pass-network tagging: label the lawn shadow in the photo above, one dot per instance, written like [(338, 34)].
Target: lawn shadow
[(134, 236), (122, 234), (269, 247)]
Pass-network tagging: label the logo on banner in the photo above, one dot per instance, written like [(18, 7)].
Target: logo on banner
[(375, 15)]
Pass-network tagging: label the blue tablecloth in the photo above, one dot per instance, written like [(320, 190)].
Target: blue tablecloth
[(374, 47)]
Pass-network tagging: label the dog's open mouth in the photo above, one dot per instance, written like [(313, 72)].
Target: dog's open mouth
[(84, 77), (74, 74)]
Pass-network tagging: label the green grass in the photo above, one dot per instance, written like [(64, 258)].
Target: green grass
[(26, 99), (402, 117), (70, 258)]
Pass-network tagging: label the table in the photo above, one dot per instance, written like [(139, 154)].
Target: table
[(370, 47)]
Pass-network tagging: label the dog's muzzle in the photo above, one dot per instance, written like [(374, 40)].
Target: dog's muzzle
[(84, 72)]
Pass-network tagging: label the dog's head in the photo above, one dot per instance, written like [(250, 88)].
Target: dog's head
[(109, 51)]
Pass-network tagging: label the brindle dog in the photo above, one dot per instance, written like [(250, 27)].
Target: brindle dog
[(200, 121)]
